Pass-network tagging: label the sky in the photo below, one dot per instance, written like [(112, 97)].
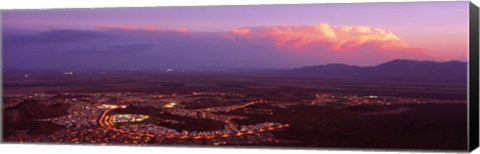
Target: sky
[(261, 36)]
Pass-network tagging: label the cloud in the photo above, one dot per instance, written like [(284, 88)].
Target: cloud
[(250, 47), (333, 38), (53, 36), (141, 28), (133, 47), (184, 30)]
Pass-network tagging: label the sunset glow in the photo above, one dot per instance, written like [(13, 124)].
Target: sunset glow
[(241, 36), (337, 38)]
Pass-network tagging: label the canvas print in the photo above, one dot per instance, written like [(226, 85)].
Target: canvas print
[(365, 75)]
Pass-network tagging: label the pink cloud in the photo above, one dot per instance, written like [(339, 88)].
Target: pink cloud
[(183, 30), (336, 38), (242, 31), (141, 28), (355, 44)]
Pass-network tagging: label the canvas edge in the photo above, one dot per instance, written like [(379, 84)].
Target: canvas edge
[(473, 64), (473, 91)]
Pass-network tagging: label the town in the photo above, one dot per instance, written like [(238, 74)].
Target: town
[(107, 117)]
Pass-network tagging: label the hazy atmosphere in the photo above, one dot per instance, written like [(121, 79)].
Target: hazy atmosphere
[(234, 36)]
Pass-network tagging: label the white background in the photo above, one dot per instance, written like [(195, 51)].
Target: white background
[(74, 149)]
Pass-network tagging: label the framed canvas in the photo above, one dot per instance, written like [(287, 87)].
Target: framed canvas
[(394, 76)]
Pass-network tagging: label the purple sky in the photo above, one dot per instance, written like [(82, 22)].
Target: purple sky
[(266, 36)]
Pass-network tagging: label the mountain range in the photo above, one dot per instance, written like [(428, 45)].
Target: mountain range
[(395, 69), (399, 69)]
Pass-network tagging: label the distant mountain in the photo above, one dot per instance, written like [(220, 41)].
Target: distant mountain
[(395, 69), (13, 70)]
